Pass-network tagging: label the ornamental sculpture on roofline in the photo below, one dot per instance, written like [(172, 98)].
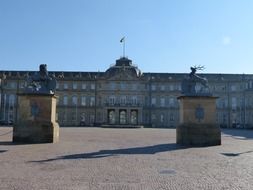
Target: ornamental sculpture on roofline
[(194, 85), (41, 82)]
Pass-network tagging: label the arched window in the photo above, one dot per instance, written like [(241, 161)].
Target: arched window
[(111, 117), (133, 117), (122, 116)]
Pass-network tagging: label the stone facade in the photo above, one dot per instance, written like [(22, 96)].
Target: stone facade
[(122, 95)]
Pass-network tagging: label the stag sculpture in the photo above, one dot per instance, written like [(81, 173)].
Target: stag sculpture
[(189, 84)]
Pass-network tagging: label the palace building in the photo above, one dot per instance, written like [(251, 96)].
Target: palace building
[(124, 96)]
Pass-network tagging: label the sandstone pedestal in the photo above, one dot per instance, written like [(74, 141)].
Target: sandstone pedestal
[(198, 125), (36, 119)]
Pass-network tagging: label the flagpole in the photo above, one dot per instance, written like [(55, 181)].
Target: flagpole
[(123, 45), (124, 48)]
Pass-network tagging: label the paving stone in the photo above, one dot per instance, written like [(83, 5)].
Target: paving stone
[(126, 159)]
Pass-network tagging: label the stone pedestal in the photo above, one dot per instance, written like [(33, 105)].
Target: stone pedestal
[(198, 126), (36, 119)]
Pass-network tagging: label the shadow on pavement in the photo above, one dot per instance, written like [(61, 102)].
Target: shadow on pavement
[(2, 151), (236, 154), (12, 143), (241, 134), (6, 143), (127, 151)]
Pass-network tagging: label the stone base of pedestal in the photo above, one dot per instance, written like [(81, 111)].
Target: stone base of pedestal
[(198, 126), (198, 135), (36, 132), (36, 119)]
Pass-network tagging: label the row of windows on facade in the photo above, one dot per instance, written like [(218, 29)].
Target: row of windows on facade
[(235, 102), (118, 85), (123, 100), (111, 86), (133, 86), (134, 100), (89, 118), (158, 117), (75, 86), (239, 117)]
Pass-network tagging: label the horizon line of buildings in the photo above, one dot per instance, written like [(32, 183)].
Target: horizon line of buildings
[(123, 95)]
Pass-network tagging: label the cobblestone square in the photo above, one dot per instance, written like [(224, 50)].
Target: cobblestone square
[(126, 159)]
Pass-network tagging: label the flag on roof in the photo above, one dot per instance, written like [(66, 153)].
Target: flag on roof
[(122, 39)]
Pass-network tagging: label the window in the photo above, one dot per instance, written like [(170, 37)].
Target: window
[(83, 86), (122, 86), (224, 118), (162, 118), (65, 86), (74, 86), (83, 118), (92, 86), (162, 102), (250, 84), (162, 88), (65, 117), (11, 100), (122, 117), (233, 88), (92, 101), (153, 117), (146, 101), (22, 84), (134, 100), (234, 103), (13, 85), (111, 116), (176, 87), (73, 117), (83, 101), (153, 101), (172, 117), (99, 100), (65, 100), (153, 87), (172, 101), (171, 86), (92, 118), (123, 100), (134, 86), (134, 117), (74, 100), (112, 100), (57, 85), (112, 86)]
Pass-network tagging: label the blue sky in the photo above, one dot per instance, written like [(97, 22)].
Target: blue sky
[(161, 35)]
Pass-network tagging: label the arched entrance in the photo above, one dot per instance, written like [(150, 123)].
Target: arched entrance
[(134, 117), (111, 117), (122, 117)]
